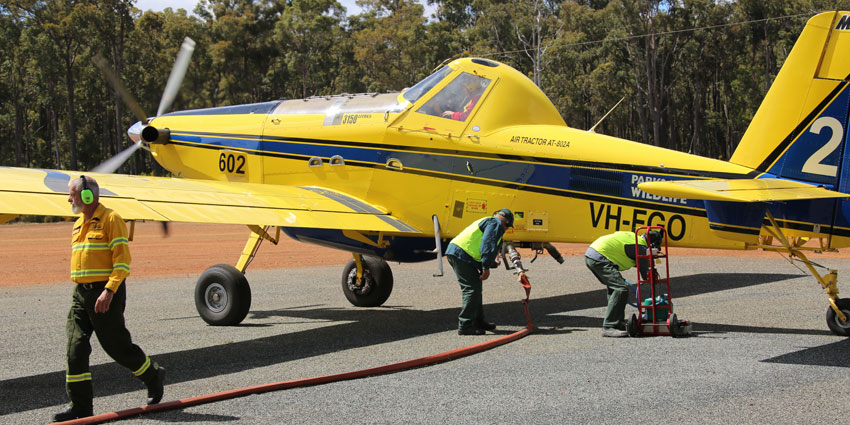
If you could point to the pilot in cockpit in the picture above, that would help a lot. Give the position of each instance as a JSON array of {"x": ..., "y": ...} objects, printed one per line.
[
  {"x": 473, "y": 87},
  {"x": 458, "y": 98}
]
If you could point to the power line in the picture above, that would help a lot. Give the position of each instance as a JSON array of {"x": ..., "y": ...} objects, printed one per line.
[{"x": 654, "y": 34}]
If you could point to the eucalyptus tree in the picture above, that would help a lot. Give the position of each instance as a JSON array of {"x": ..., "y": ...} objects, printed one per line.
[
  {"x": 12, "y": 80},
  {"x": 390, "y": 46},
  {"x": 307, "y": 32},
  {"x": 240, "y": 47},
  {"x": 67, "y": 24}
]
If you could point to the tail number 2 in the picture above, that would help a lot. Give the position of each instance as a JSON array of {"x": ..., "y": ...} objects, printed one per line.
[{"x": 813, "y": 165}]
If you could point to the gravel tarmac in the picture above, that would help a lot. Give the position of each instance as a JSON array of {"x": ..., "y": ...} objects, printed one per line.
[{"x": 760, "y": 351}]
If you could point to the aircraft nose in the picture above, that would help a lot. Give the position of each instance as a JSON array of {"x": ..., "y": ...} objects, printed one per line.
[{"x": 135, "y": 132}]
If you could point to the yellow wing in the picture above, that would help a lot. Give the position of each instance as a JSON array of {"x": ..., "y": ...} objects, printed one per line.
[
  {"x": 45, "y": 192},
  {"x": 742, "y": 190}
]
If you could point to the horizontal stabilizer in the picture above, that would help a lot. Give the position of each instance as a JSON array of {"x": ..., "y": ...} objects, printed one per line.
[{"x": 739, "y": 190}]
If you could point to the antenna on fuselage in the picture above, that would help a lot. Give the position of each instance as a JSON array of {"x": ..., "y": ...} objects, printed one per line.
[{"x": 593, "y": 129}]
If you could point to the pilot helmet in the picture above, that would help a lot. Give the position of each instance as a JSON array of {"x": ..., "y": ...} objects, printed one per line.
[{"x": 472, "y": 84}]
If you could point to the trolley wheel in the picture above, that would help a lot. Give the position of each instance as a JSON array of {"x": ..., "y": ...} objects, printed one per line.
[
  {"x": 673, "y": 325},
  {"x": 632, "y": 326},
  {"x": 835, "y": 324}
]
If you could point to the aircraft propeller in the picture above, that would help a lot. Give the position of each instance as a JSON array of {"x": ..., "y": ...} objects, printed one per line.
[{"x": 140, "y": 131}]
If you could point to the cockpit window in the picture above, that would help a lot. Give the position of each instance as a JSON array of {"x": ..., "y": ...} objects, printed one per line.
[
  {"x": 458, "y": 98},
  {"x": 414, "y": 93}
]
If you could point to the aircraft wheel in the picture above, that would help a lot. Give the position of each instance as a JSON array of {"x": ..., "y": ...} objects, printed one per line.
[
  {"x": 835, "y": 324},
  {"x": 222, "y": 295},
  {"x": 376, "y": 286},
  {"x": 632, "y": 326}
]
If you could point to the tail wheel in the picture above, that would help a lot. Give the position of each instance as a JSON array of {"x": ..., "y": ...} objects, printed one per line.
[
  {"x": 222, "y": 295},
  {"x": 375, "y": 286},
  {"x": 838, "y": 327}
]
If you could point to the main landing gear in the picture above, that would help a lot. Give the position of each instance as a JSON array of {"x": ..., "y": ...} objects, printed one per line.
[
  {"x": 838, "y": 312},
  {"x": 367, "y": 281},
  {"x": 223, "y": 296}
]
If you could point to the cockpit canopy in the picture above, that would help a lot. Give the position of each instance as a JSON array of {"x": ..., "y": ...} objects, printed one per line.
[{"x": 487, "y": 93}]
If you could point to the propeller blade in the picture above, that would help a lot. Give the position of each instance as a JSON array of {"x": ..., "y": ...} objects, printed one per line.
[
  {"x": 177, "y": 74},
  {"x": 112, "y": 164},
  {"x": 115, "y": 82}
]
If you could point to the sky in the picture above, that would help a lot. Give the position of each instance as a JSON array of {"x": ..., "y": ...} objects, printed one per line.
[{"x": 158, "y": 5}]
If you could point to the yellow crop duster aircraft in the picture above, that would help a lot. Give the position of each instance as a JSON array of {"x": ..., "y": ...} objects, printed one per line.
[{"x": 395, "y": 176}]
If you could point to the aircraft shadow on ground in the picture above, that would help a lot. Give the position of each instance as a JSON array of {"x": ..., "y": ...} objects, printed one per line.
[
  {"x": 359, "y": 328},
  {"x": 834, "y": 354}
]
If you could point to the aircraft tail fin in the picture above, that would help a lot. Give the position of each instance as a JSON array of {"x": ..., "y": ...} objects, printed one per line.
[{"x": 799, "y": 130}]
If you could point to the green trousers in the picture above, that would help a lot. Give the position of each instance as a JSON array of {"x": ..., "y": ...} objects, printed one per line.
[
  {"x": 112, "y": 335},
  {"x": 469, "y": 278},
  {"x": 618, "y": 290}
]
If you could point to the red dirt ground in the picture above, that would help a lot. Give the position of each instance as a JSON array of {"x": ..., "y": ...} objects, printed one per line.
[{"x": 33, "y": 254}]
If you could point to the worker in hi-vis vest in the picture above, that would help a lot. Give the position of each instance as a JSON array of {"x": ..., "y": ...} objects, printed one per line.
[
  {"x": 606, "y": 258},
  {"x": 472, "y": 254}
]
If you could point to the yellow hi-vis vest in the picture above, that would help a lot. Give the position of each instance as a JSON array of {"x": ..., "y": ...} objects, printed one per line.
[
  {"x": 611, "y": 247},
  {"x": 469, "y": 239}
]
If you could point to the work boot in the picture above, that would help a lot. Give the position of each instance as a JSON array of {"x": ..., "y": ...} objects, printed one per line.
[
  {"x": 470, "y": 331},
  {"x": 157, "y": 387},
  {"x": 487, "y": 326},
  {"x": 72, "y": 412},
  {"x": 614, "y": 333}
]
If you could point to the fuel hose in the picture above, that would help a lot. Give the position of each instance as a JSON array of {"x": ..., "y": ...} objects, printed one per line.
[{"x": 319, "y": 380}]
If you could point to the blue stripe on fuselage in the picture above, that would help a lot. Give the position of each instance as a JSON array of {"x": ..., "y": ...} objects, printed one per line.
[
  {"x": 223, "y": 142},
  {"x": 509, "y": 172}
]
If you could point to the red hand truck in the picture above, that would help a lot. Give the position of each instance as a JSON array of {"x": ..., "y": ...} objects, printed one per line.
[{"x": 655, "y": 314}]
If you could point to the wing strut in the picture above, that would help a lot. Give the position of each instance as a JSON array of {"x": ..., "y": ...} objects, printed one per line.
[{"x": 253, "y": 245}]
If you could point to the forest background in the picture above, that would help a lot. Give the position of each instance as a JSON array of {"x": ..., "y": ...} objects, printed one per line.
[{"x": 692, "y": 72}]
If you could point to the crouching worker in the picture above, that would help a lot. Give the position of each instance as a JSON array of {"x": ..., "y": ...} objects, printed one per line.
[
  {"x": 472, "y": 254},
  {"x": 606, "y": 258}
]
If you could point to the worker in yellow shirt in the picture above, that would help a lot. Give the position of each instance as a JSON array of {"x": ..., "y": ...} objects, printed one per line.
[{"x": 100, "y": 261}]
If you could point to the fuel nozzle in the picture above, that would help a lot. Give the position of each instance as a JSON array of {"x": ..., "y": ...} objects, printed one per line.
[{"x": 514, "y": 258}]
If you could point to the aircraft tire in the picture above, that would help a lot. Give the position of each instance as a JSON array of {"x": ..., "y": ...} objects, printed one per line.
[
  {"x": 835, "y": 325},
  {"x": 378, "y": 283},
  {"x": 222, "y": 295}
]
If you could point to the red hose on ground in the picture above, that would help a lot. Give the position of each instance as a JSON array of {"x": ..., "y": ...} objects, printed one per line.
[{"x": 395, "y": 367}]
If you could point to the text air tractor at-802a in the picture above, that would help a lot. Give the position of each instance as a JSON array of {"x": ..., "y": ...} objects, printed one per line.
[{"x": 381, "y": 175}]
